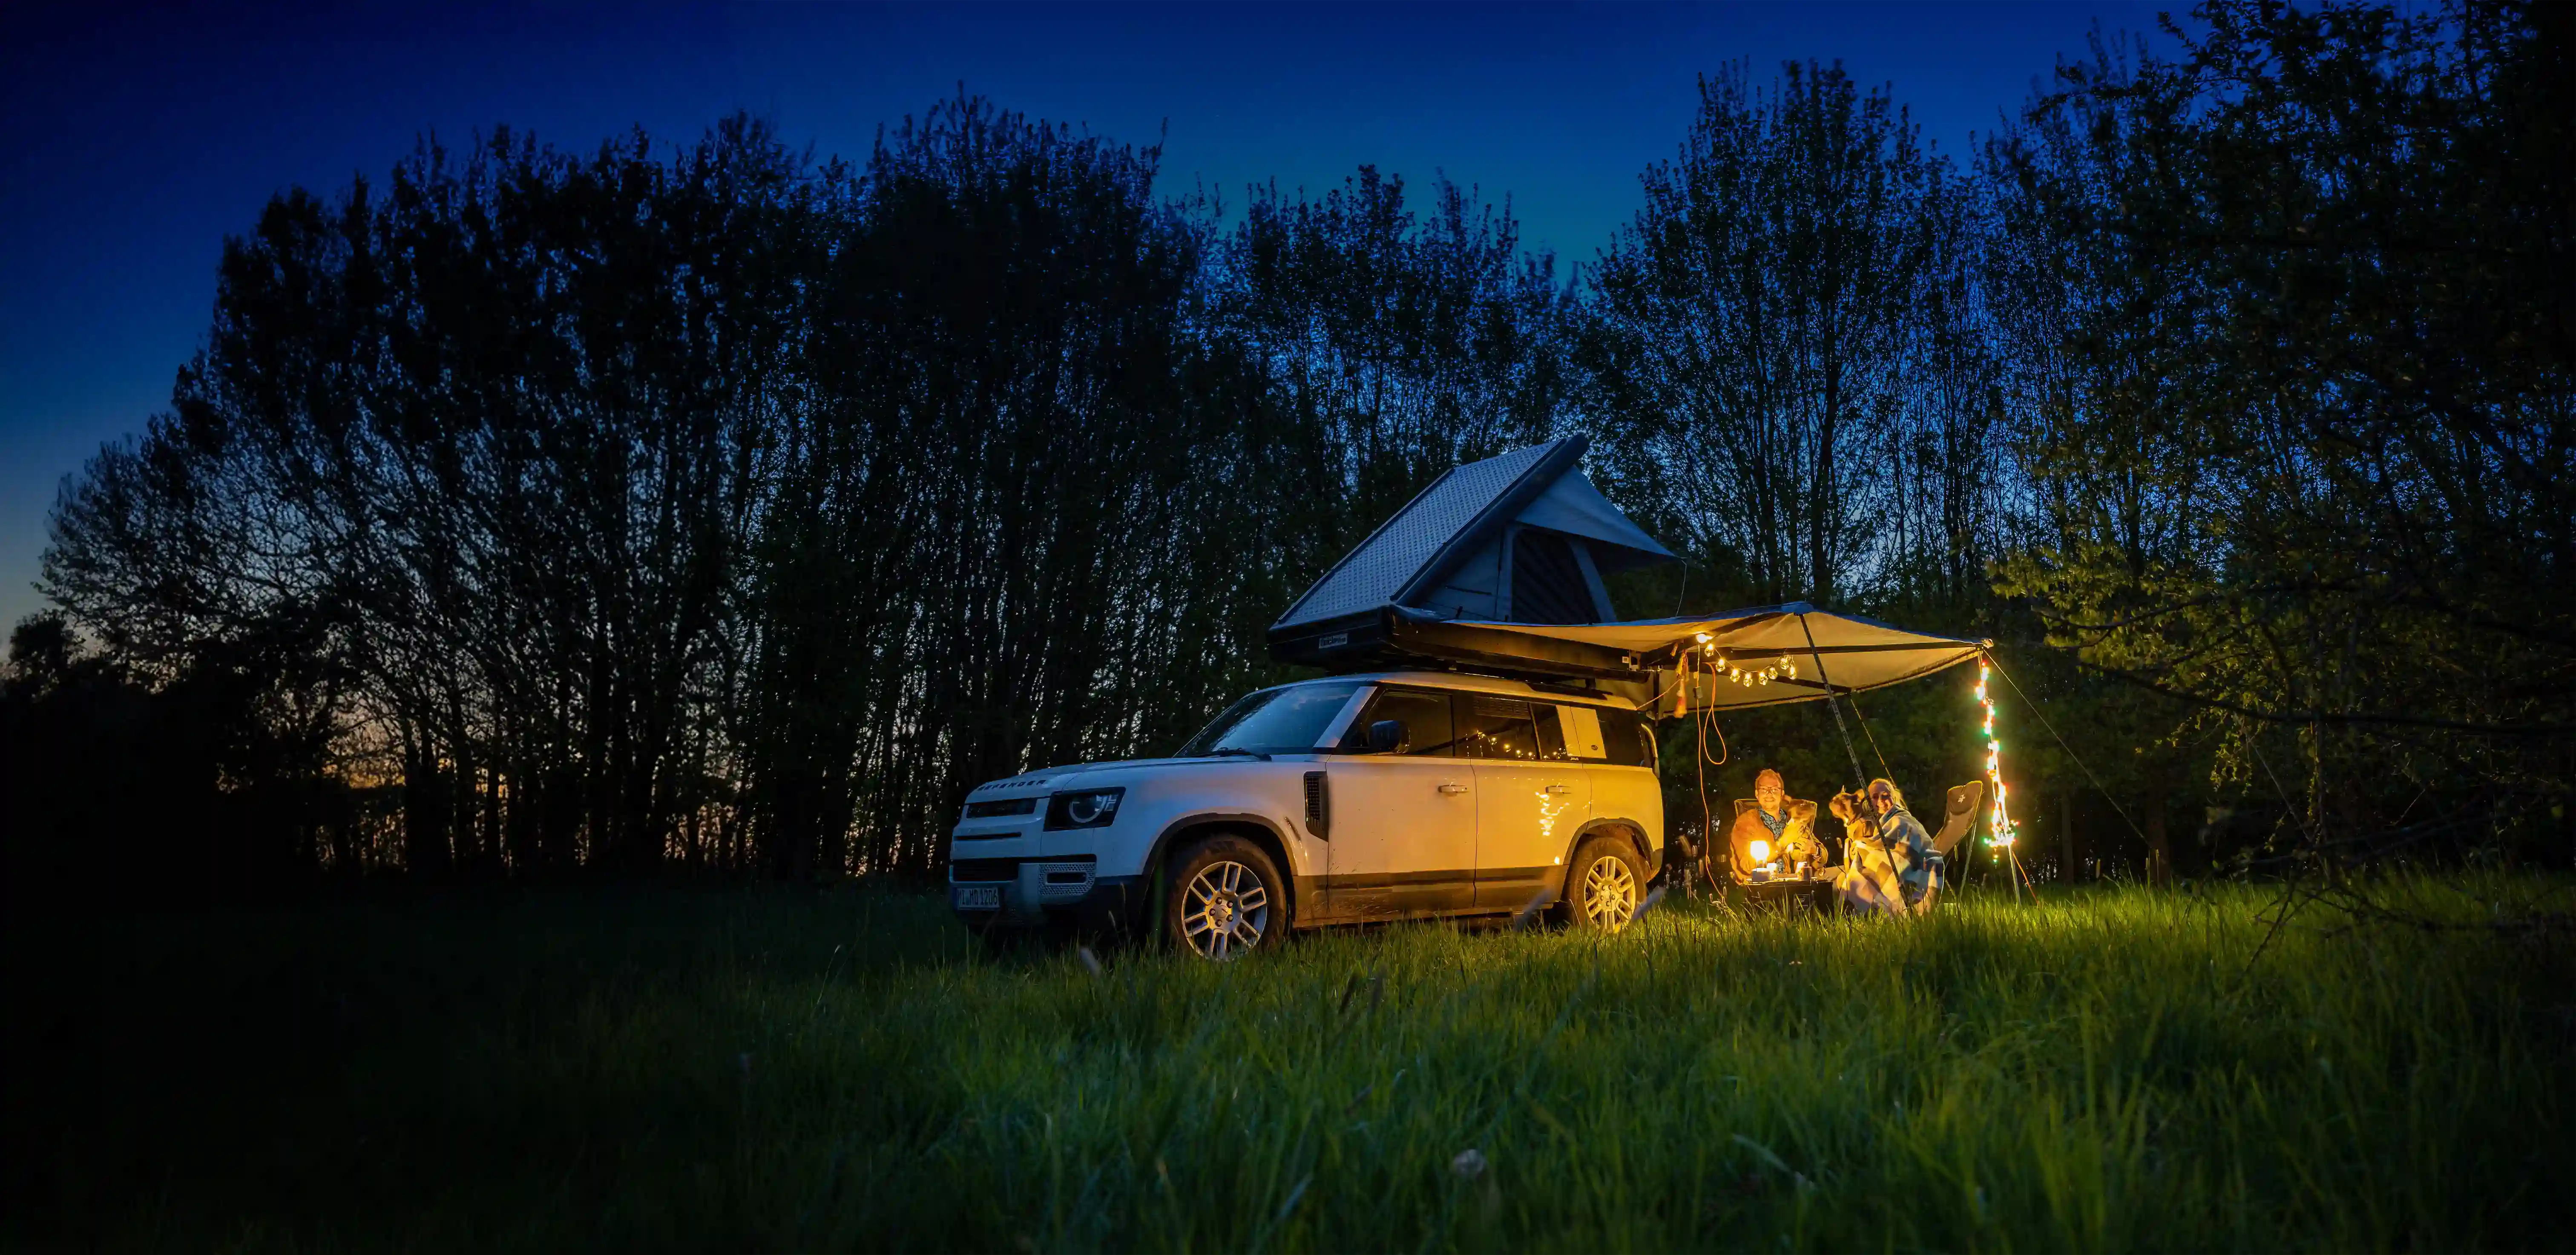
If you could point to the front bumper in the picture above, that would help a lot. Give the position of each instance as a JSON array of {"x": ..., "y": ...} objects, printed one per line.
[{"x": 1043, "y": 892}]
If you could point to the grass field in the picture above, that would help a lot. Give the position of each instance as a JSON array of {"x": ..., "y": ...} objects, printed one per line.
[{"x": 784, "y": 1069}]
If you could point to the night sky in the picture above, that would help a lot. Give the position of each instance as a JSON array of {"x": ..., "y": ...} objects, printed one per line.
[{"x": 135, "y": 143}]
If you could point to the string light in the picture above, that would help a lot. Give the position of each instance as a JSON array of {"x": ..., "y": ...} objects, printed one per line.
[
  {"x": 2002, "y": 818},
  {"x": 1748, "y": 677},
  {"x": 1719, "y": 666}
]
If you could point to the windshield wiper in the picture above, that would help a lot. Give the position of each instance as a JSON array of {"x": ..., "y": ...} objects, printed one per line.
[{"x": 1229, "y": 749}]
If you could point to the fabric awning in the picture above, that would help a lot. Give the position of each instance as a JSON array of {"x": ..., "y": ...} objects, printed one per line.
[{"x": 1807, "y": 648}]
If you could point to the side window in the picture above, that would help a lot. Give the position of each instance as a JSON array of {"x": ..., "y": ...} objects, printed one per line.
[
  {"x": 1551, "y": 731},
  {"x": 1582, "y": 733},
  {"x": 1625, "y": 740},
  {"x": 1428, "y": 731},
  {"x": 1497, "y": 727}
]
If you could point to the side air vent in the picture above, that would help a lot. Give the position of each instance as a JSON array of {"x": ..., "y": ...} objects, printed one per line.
[{"x": 1319, "y": 806}]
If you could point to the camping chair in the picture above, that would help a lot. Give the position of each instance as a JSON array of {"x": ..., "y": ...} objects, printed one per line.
[
  {"x": 1763, "y": 887},
  {"x": 1958, "y": 815}
]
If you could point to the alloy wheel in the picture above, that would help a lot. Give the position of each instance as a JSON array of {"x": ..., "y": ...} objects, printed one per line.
[
  {"x": 1609, "y": 893},
  {"x": 1225, "y": 910}
]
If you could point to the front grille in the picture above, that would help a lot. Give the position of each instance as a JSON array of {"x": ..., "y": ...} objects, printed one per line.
[
  {"x": 1007, "y": 806},
  {"x": 1064, "y": 880},
  {"x": 1070, "y": 870}
]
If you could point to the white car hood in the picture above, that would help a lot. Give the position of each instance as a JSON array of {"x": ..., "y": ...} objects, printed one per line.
[{"x": 1045, "y": 778}]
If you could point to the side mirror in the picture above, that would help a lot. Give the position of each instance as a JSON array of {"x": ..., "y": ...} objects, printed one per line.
[{"x": 1386, "y": 736}]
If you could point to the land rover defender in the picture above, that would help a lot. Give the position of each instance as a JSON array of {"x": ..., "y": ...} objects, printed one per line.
[{"x": 1386, "y": 796}]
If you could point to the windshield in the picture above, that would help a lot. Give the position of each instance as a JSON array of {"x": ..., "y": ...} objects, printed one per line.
[{"x": 1273, "y": 721}]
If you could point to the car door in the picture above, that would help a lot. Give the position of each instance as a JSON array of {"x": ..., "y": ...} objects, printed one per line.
[
  {"x": 1532, "y": 797},
  {"x": 1617, "y": 755},
  {"x": 1404, "y": 823}
]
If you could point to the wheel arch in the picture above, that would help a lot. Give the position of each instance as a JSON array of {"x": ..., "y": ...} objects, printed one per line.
[
  {"x": 1258, "y": 829},
  {"x": 1616, "y": 828}
]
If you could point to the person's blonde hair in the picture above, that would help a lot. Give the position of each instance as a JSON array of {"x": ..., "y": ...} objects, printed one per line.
[{"x": 1892, "y": 791}]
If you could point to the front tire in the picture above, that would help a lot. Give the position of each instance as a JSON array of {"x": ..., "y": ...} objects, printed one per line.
[
  {"x": 1224, "y": 899},
  {"x": 1604, "y": 886}
]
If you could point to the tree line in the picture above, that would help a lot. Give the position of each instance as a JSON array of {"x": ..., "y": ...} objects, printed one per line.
[{"x": 534, "y": 512}]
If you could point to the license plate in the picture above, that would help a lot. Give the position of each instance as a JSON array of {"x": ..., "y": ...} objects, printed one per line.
[{"x": 976, "y": 897}]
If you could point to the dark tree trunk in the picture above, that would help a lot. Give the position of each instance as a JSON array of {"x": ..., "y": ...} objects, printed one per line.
[
  {"x": 2074, "y": 867},
  {"x": 2159, "y": 850}
]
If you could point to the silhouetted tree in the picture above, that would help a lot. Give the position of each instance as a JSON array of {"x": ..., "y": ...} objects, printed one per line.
[
  {"x": 2291, "y": 313},
  {"x": 1757, "y": 328}
]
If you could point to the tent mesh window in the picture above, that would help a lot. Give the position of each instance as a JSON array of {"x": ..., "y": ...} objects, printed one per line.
[{"x": 1547, "y": 585}]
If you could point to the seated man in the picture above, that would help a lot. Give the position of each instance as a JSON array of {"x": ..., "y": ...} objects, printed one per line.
[
  {"x": 1784, "y": 826},
  {"x": 1888, "y": 861}
]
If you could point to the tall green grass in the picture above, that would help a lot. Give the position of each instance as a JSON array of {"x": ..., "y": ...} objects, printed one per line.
[{"x": 767, "y": 1069}]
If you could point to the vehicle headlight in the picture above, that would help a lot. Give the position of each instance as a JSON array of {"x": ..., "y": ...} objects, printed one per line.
[{"x": 1090, "y": 808}]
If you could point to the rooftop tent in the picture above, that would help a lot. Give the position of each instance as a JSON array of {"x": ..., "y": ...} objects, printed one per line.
[
  {"x": 1522, "y": 538},
  {"x": 1497, "y": 566}
]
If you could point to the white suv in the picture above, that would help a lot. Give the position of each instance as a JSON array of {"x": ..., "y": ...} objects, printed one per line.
[{"x": 1401, "y": 795}]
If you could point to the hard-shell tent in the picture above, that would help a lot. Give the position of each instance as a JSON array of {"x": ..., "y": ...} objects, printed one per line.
[
  {"x": 1497, "y": 567},
  {"x": 1520, "y": 538}
]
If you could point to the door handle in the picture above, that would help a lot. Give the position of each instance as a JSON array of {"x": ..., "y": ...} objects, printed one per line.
[
  {"x": 1556, "y": 788},
  {"x": 1452, "y": 787}
]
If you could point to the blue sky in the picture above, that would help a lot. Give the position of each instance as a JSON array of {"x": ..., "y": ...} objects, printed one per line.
[{"x": 131, "y": 144}]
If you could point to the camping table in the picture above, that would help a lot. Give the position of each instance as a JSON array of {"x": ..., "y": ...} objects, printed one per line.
[{"x": 1812, "y": 893}]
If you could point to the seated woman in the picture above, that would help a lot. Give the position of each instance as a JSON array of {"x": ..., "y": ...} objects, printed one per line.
[
  {"x": 1888, "y": 856},
  {"x": 1784, "y": 826}
]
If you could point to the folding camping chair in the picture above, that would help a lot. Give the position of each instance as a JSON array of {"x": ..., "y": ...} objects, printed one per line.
[{"x": 1958, "y": 815}]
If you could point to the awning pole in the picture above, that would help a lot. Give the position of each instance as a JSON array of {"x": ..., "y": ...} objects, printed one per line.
[{"x": 1858, "y": 776}]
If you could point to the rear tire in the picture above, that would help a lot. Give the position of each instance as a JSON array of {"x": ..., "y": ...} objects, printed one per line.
[
  {"x": 1223, "y": 898},
  {"x": 1605, "y": 885}
]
